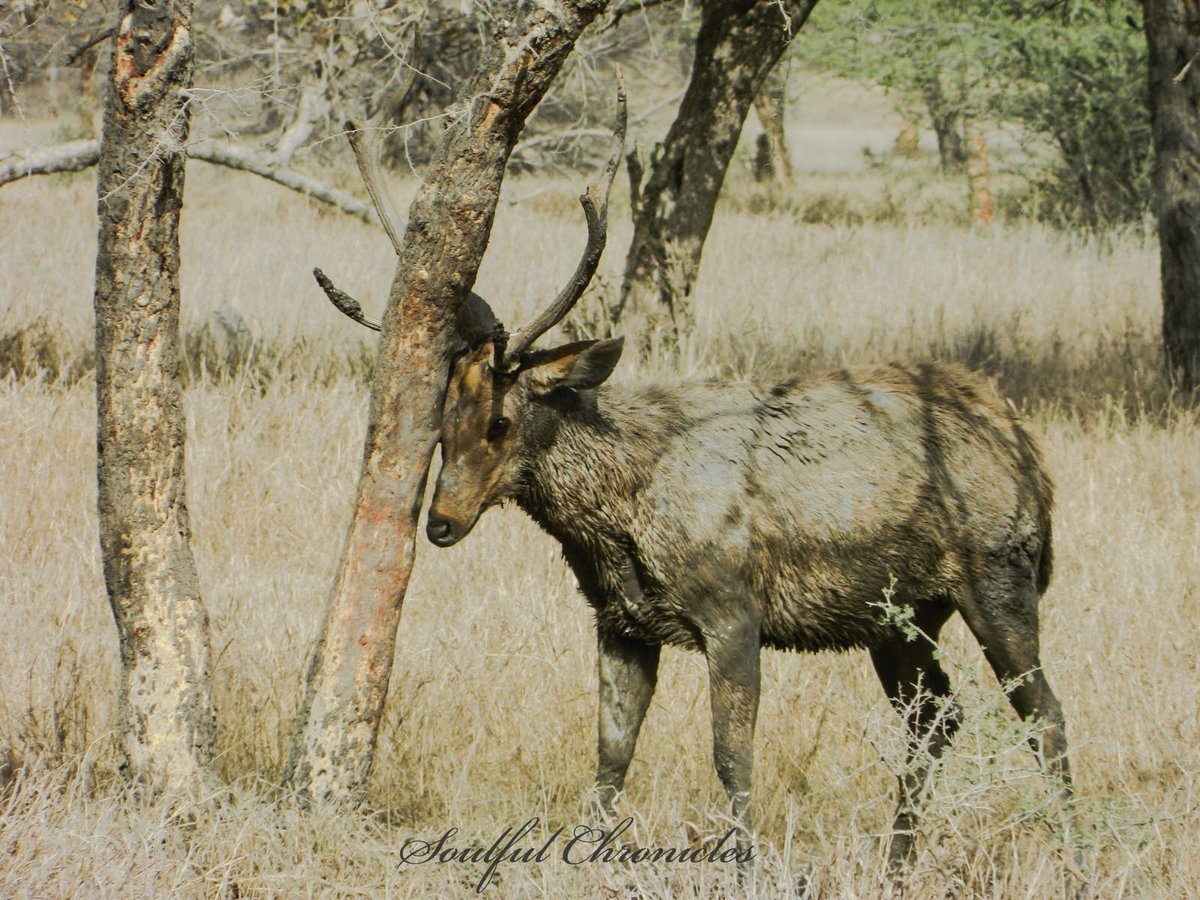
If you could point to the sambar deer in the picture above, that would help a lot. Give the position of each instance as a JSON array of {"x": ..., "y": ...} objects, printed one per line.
[{"x": 728, "y": 517}]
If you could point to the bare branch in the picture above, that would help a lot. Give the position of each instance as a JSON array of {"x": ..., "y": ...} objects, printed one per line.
[
  {"x": 311, "y": 106},
  {"x": 631, "y": 6},
  {"x": 88, "y": 45},
  {"x": 346, "y": 304},
  {"x": 595, "y": 207},
  {"x": 366, "y": 141},
  {"x": 78, "y": 155},
  {"x": 576, "y": 133},
  {"x": 268, "y": 166},
  {"x": 570, "y": 134},
  {"x": 69, "y": 157}
]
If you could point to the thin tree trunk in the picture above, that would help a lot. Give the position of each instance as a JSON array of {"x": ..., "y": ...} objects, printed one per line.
[
  {"x": 448, "y": 227},
  {"x": 952, "y": 151},
  {"x": 738, "y": 43},
  {"x": 167, "y": 723},
  {"x": 948, "y": 126},
  {"x": 979, "y": 173},
  {"x": 773, "y": 161},
  {"x": 1173, "y": 36}
]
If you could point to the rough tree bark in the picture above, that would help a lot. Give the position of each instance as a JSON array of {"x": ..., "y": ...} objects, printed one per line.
[
  {"x": 1173, "y": 36},
  {"x": 447, "y": 232},
  {"x": 738, "y": 43},
  {"x": 167, "y": 723}
]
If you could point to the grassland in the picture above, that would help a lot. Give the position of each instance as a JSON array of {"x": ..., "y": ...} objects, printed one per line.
[{"x": 490, "y": 718}]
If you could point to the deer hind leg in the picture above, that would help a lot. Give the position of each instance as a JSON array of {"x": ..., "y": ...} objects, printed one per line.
[
  {"x": 628, "y": 672},
  {"x": 1002, "y": 613},
  {"x": 920, "y": 691}
]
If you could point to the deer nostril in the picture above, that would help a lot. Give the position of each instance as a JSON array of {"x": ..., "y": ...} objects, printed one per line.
[{"x": 437, "y": 529}]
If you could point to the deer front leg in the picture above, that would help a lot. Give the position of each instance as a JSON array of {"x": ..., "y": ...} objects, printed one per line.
[
  {"x": 628, "y": 672},
  {"x": 733, "y": 678}
]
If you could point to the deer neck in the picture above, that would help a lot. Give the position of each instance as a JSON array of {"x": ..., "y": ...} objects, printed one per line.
[{"x": 583, "y": 479}]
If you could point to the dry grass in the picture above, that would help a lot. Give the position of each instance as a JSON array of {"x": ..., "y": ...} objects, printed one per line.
[{"x": 490, "y": 720}]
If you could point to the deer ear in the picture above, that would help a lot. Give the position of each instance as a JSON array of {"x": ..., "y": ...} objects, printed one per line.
[{"x": 582, "y": 365}]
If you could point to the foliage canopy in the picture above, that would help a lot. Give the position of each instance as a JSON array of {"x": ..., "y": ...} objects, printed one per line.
[{"x": 1070, "y": 73}]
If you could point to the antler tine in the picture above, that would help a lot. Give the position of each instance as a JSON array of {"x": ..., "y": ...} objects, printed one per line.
[
  {"x": 346, "y": 304},
  {"x": 367, "y": 142},
  {"x": 595, "y": 206}
]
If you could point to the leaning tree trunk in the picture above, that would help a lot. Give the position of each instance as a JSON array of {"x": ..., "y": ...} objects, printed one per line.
[
  {"x": 165, "y": 707},
  {"x": 1173, "y": 36},
  {"x": 738, "y": 43},
  {"x": 448, "y": 227}
]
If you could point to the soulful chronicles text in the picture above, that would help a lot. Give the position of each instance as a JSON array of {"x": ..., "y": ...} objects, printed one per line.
[{"x": 582, "y": 845}]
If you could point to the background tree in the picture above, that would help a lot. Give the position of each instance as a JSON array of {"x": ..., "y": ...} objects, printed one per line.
[
  {"x": 773, "y": 159},
  {"x": 1173, "y": 35},
  {"x": 738, "y": 43},
  {"x": 1070, "y": 75},
  {"x": 165, "y": 707},
  {"x": 1073, "y": 77}
]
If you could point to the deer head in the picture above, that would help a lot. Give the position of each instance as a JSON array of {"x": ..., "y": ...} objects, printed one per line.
[
  {"x": 495, "y": 423},
  {"x": 501, "y": 394}
]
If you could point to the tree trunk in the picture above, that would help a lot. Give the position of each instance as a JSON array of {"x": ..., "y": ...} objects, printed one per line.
[
  {"x": 1173, "y": 36},
  {"x": 448, "y": 228},
  {"x": 979, "y": 173},
  {"x": 167, "y": 723},
  {"x": 952, "y": 151},
  {"x": 773, "y": 161},
  {"x": 738, "y": 44},
  {"x": 948, "y": 126}
]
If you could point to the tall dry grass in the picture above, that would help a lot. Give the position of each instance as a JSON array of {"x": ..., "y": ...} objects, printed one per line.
[{"x": 490, "y": 717}]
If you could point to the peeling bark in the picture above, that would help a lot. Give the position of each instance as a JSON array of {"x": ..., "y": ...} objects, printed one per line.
[
  {"x": 448, "y": 228},
  {"x": 167, "y": 722},
  {"x": 738, "y": 43},
  {"x": 1173, "y": 36}
]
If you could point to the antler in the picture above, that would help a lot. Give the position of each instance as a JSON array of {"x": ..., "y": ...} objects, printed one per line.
[
  {"x": 595, "y": 206},
  {"x": 346, "y": 304},
  {"x": 367, "y": 141}
]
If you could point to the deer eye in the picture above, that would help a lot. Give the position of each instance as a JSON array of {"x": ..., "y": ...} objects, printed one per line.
[{"x": 498, "y": 428}]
